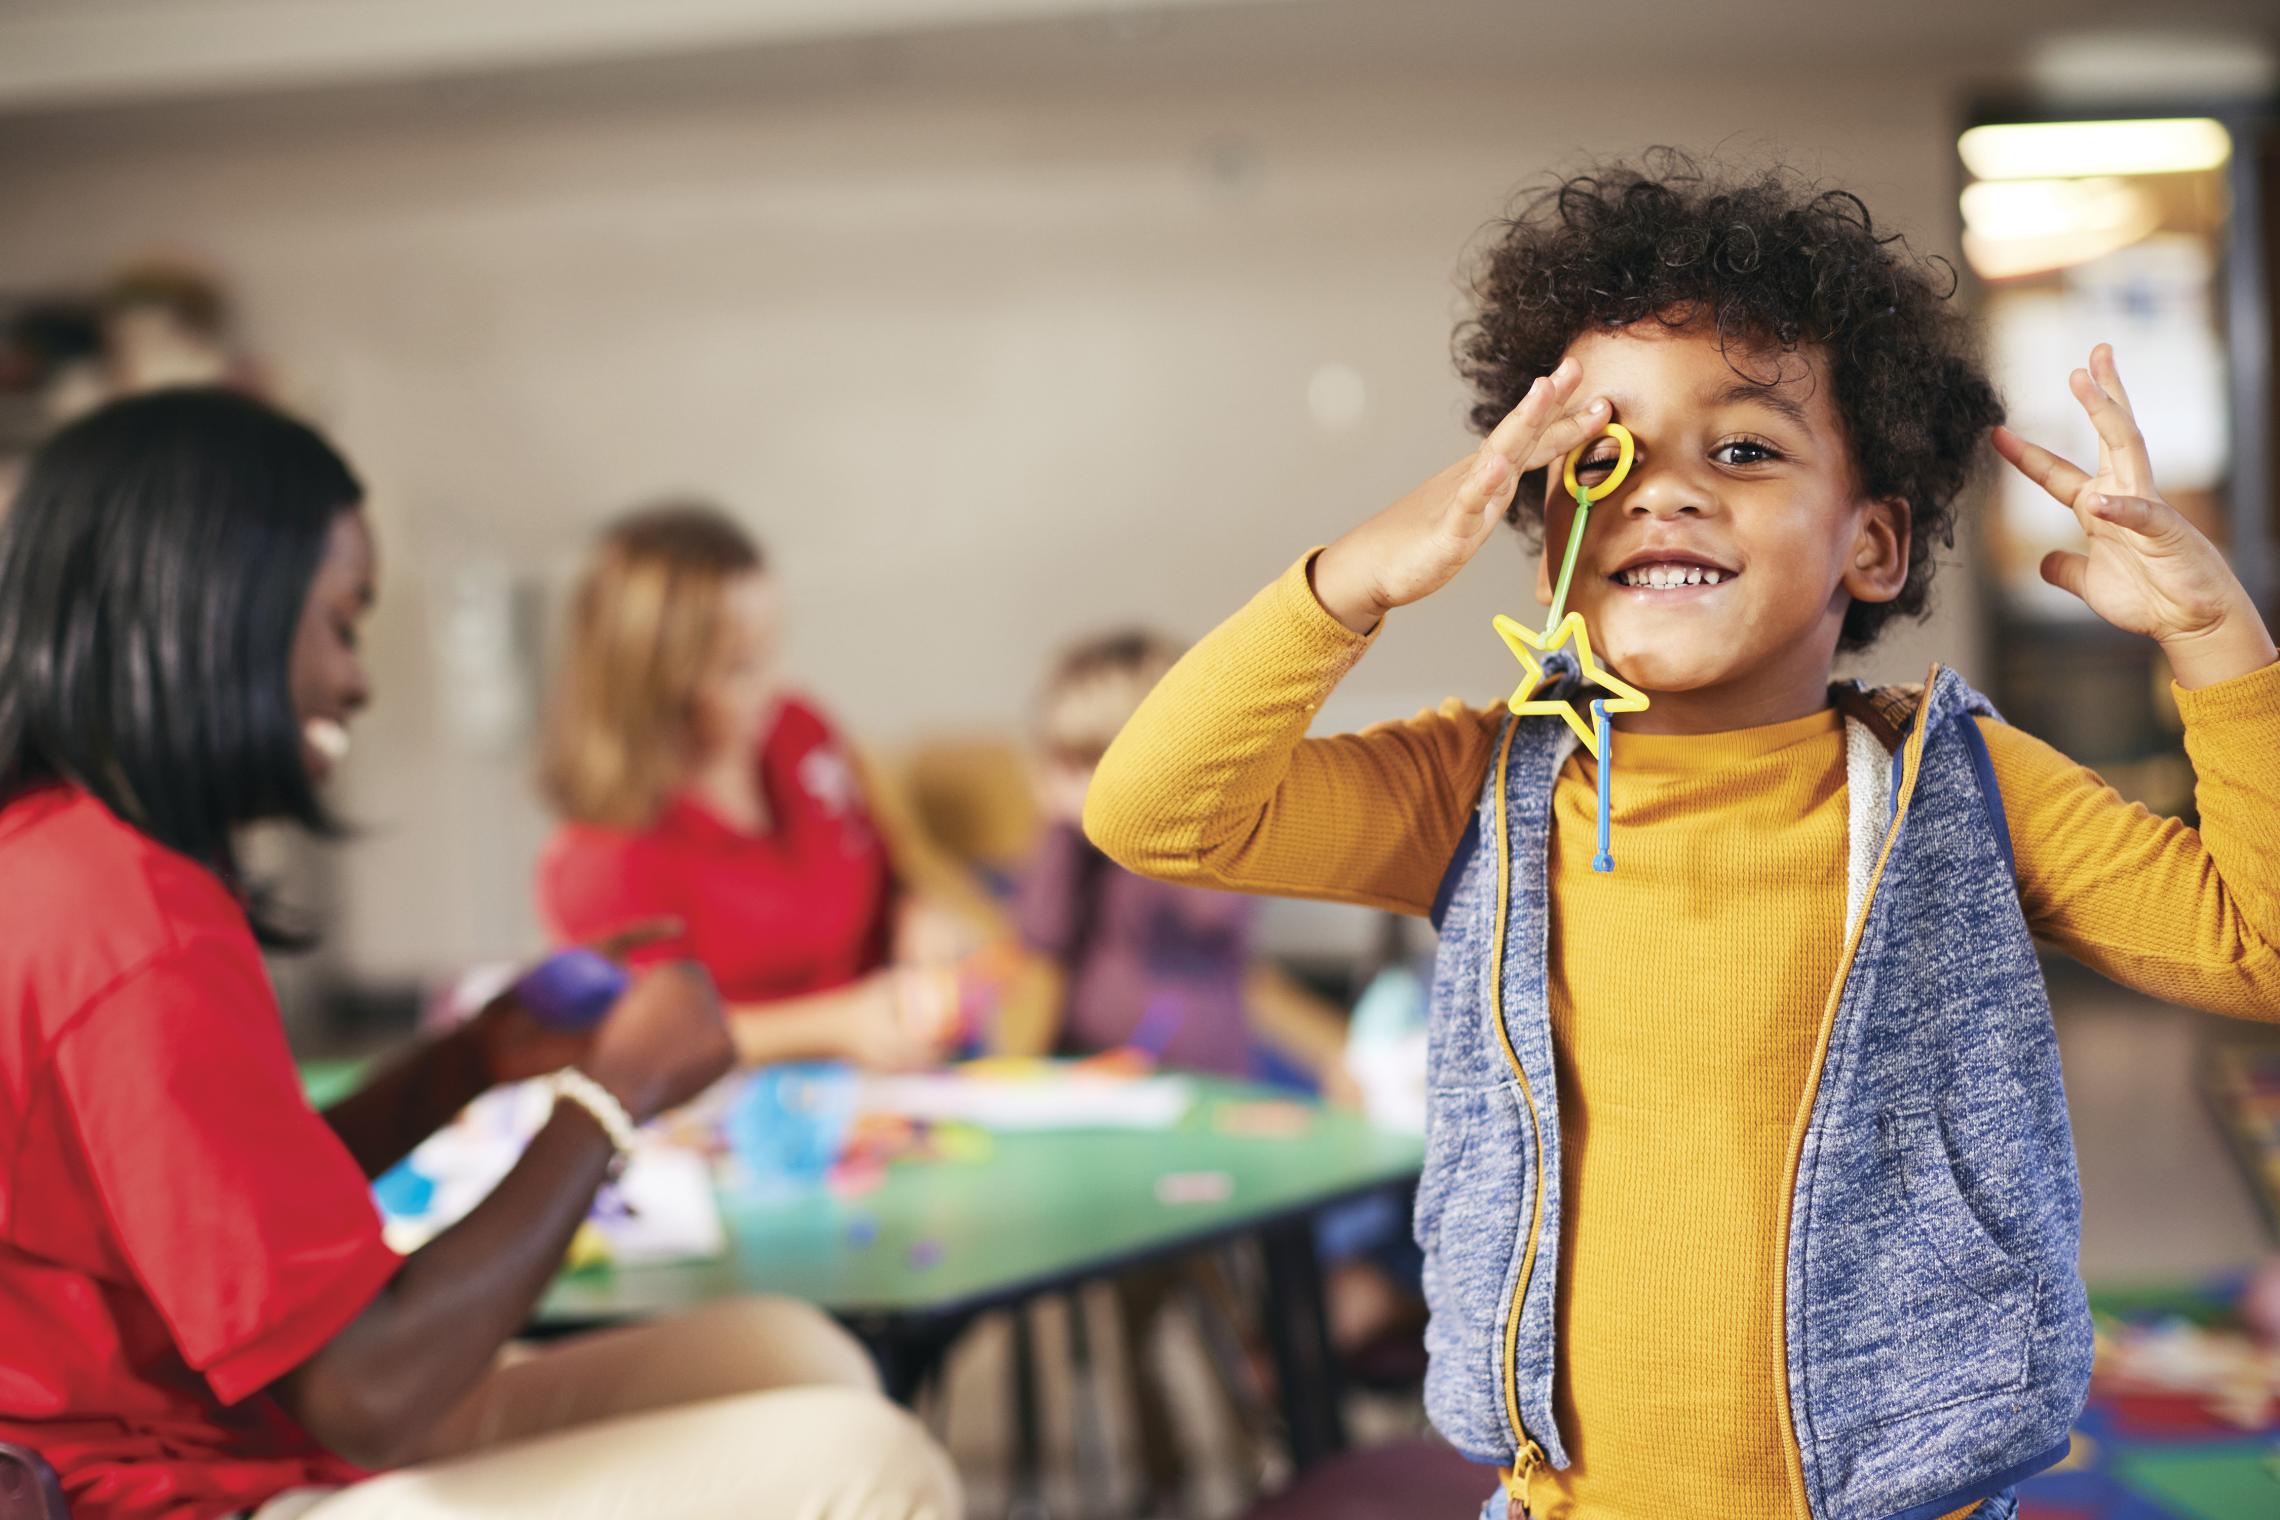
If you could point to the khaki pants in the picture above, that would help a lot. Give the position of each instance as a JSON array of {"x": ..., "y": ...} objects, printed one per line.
[{"x": 757, "y": 1408}]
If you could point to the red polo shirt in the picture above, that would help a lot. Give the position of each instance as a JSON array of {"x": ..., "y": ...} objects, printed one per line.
[
  {"x": 177, "y": 1228},
  {"x": 803, "y": 908}
]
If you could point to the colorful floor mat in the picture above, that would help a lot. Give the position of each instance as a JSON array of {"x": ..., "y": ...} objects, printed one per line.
[{"x": 2184, "y": 1418}]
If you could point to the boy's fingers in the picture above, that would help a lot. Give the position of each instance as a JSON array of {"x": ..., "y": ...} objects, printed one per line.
[
  {"x": 1545, "y": 397},
  {"x": 2062, "y": 480},
  {"x": 2117, "y": 430},
  {"x": 2109, "y": 375},
  {"x": 2150, "y": 519},
  {"x": 1577, "y": 427},
  {"x": 2066, "y": 569},
  {"x": 1524, "y": 418}
]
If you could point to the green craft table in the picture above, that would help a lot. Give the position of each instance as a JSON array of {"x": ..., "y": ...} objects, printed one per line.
[{"x": 910, "y": 1264}]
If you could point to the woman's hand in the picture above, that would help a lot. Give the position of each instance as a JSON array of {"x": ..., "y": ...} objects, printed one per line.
[
  {"x": 664, "y": 1042},
  {"x": 903, "y": 1019},
  {"x": 514, "y": 1045},
  {"x": 418, "y": 1090},
  {"x": 928, "y": 932},
  {"x": 1416, "y": 546},
  {"x": 2145, "y": 569}
]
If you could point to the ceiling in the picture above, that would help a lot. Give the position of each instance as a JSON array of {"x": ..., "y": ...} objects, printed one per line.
[{"x": 65, "y": 58}]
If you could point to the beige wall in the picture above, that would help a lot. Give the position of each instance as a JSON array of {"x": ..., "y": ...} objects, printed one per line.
[{"x": 985, "y": 365}]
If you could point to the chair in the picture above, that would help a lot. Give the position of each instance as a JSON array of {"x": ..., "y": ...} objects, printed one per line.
[
  {"x": 972, "y": 798},
  {"x": 28, "y": 1489},
  {"x": 1420, "y": 1479}
]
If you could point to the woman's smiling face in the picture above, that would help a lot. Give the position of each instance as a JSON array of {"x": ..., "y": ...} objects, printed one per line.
[{"x": 1716, "y": 576}]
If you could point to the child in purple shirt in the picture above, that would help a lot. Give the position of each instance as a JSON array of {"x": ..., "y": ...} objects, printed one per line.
[{"x": 1172, "y": 971}]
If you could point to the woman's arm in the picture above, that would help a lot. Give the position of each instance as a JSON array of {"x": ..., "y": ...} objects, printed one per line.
[
  {"x": 809, "y": 1028},
  {"x": 374, "y": 1390},
  {"x": 413, "y": 1096},
  {"x": 1214, "y": 783},
  {"x": 891, "y": 1020}
]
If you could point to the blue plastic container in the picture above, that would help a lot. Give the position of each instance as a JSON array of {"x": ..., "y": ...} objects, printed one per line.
[{"x": 572, "y": 989}]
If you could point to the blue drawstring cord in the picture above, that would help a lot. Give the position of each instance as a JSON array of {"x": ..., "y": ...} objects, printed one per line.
[{"x": 1604, "y": 861}]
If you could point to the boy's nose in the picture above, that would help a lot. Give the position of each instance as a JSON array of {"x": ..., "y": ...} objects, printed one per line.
[{"x": 1660, "y": 493}]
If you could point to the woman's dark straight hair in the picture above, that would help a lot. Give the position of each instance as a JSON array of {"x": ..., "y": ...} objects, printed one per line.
[{"x": 153, "y": 571}]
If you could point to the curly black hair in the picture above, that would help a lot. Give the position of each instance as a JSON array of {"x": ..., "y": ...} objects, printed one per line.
[{"x": 1769, "y": 262}]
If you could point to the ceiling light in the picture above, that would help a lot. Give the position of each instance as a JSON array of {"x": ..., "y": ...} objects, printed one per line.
[
  {"x": 2072, "y": 149},
  {"x": 2032, "y": 226}
]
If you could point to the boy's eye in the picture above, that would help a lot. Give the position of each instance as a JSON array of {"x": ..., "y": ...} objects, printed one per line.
[
  {"x": 1597, "y": 467},
  {"x": 1744, "y": 451}
]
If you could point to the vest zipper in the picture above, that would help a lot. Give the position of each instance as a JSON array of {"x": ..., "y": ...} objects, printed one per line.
[
  {"x": 1528, "y": 1454},
  {"x": 1913, "y": 752}
]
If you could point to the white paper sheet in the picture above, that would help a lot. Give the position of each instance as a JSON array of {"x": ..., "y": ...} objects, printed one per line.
[{"x": 1064, "y": 1101}]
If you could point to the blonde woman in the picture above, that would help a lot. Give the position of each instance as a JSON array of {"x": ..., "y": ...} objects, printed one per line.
[{"x": 693, "y": 786}]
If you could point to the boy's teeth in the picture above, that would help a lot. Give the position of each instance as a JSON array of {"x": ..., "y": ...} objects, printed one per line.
[{"x": 1666, "y": 576}]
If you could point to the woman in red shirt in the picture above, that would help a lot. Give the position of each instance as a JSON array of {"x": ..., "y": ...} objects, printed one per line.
[
  {"x": 692, "y": 786},
  {"x": 198, "y": 1314}
]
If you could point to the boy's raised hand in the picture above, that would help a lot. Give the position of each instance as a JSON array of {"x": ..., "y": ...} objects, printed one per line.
[
  {"x": 2145, "y": 568},
  {"x": 1414, "y": 547}
]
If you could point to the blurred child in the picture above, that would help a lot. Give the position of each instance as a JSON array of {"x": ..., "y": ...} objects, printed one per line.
[
  {"x": 1170, "y": 970},
  {"x": 1749, "y": 1188}
]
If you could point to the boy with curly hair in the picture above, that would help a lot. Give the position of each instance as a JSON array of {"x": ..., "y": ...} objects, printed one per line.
[{"x": 1748, "y": 1189}]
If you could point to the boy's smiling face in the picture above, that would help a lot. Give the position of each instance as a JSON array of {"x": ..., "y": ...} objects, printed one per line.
[{"x": 1716, "y": 577}]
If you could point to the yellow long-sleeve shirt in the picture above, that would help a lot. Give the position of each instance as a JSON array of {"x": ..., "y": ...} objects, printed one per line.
[{"x": 1680, "y": 1068}]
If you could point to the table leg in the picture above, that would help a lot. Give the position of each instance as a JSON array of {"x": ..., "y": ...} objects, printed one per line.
[
  {"x": 902, "y": 1366},
  {"x": 1298, "y": 1325},
  {"x": 909, "y": 1355},
  {"x": 1025, "y": 1487},
  {"x": 1092, "y": 1435}
]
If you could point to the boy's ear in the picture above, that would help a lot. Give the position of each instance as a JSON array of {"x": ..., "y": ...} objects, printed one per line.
[{"x": 1876, "y": 564}]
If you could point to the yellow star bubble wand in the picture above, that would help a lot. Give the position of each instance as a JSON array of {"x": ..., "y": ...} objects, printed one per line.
[{"x": 1526, "y": 645}]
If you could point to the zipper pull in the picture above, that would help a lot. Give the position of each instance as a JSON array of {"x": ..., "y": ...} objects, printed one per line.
[{"x": 1516, "y": 1477}]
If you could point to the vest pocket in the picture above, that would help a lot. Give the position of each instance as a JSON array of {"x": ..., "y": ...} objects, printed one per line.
[
  {"x": 1448, "y": 1121},
  {"x": 1472, "y": 1221},
  {"x": 1961, "y": 1309},
  {"x": 1943, "y": 1220}
]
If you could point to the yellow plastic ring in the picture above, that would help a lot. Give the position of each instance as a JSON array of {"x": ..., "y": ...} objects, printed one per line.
[{"x": 1606, "y": 488}]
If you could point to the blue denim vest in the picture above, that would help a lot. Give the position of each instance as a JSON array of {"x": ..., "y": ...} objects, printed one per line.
[{"x": 1937, "y": 1332}]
